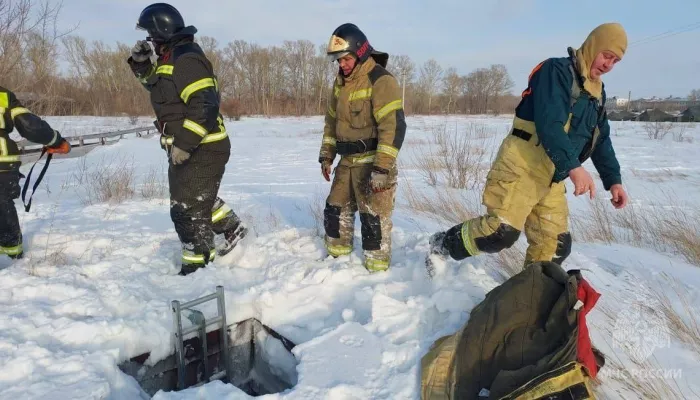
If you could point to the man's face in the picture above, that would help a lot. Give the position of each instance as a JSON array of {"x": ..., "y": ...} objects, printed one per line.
[
  {"x": 347, "y": 63},
  {"x": 603, "y": 63}
]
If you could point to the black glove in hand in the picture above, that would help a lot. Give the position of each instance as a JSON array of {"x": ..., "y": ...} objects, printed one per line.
[{"x": 141, "y": 51}]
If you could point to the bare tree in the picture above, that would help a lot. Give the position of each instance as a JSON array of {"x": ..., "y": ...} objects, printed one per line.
[
  {"x": 430, "y": 74},
  {"x": 451, "y": 83}
]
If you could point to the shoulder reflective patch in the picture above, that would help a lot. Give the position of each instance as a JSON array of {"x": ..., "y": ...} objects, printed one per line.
[
  {"x": 392, "y": 106},
  {"x": 195, "y": 86},
  {"x": 4, "y": 100},
  {"x": 165, "y": 70}
]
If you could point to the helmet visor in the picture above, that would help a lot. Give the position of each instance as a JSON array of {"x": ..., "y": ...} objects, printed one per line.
[{"x": 335, "y": 56}]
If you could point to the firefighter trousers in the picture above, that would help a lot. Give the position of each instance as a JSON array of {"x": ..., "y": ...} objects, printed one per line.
[
  {"x": 519, "y": 196},
  {"x": 351, "y": 192},
  {"x": 10, "y": 231},
  {"x": 195, "y": 208}
]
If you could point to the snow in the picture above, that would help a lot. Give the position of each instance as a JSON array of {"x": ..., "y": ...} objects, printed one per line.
[{"x": 98, "y": 277}]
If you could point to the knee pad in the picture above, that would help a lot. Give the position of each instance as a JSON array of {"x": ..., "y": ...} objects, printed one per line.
[
  {"x": 371, "y": 231},
  {"x": 504, "y": 237},
  {"x": 563, "y": 248},
  {"x": 331, "y": 221}
]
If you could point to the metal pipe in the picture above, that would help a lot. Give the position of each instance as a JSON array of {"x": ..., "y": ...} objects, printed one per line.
[
  {"x": 221, "y": 305},
  {"x": 179, "y": 345}
]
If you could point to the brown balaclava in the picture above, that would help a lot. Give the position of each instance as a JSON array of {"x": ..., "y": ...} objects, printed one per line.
[{"x": 609, "y": 36}]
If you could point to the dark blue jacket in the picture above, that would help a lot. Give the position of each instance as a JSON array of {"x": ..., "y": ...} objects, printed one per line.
[{"x": 547, "y": 102}]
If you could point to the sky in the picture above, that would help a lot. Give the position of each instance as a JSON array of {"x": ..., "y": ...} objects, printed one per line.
[{"x": 464, "y": 34}]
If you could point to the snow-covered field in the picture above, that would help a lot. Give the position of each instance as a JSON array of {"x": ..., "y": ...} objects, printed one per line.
[{"x": 95, "y": 286}]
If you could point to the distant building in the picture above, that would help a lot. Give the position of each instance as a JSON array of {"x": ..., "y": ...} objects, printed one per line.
[
  {"x": 691, "y": 114},
  {"x": 656, "y": 115},
  {"x": 621, "y": 102}
]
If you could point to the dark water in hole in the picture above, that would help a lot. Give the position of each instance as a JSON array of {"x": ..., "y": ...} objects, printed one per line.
[{"x": 261, "y": 362}]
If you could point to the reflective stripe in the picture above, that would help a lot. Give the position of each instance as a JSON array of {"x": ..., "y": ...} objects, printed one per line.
[
  {"x": 188, "y": 257},
  {"x": 166, "y": 140},
  {"x": 389, "y": 150},
  {"x": 3, "y": 147},
  {"x": 193, "y": 87},
  {"x": 366, "y": 159},
  {"x": 375, "y": 265},
  {"x": 329, "y": 140},
  {"x": 336, "y": 91},
  {"x": 214, "y": 137},
  {"x": 53, "y": 140},
  {"x": 18, "y": 111},
  {"x": 360, "y": 94},
  {"x": 220, "y": 213},
  {"x": 331, "y": 112},
  {"x": 393, "y": 106},
  {"x": 165, "y": 70},
  {"x": 11, "y": 250},
  {"x": 467, "y": 239},
  {"x": 4, "y": 100},
  {"x": 2, "y": 117},
  {"x": 336, "y": 251},
  {"x": 194, "y": 127},
  {"x": 9, "y": 158}
]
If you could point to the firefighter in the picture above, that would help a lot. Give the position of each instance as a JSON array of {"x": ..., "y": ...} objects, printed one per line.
[
  {"x": 559, "y": 123},
  {"x": 185, "y": 98},
  {"x": 36, "y": 130},
  {"x": 365, "y": 125}
]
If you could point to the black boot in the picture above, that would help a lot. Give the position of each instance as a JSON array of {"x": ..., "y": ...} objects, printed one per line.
[
  {"x": 16, "y": 256},
  {"x": 232, "y": 237},
  {"x": 187, "y": 269}
]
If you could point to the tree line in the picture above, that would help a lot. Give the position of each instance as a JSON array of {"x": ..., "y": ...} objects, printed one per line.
[{"x": 64, "y": 73}]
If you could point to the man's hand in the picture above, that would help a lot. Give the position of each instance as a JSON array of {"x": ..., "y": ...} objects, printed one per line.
[
  {"x": 379, "y": 181},
  {"x": 179, "y": 156},
  {"x": 619, "y": 196},
  {"x": 141, "y": 51},
  {"x": 60, "y": 147},
  {"x": 583, "y": 182},
  {"x": 326, "y": 165}
]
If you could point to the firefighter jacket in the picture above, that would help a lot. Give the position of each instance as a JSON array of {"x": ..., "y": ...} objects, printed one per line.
[
  {"x": 571, "y": 124},
  {"x": 185, "y": 98},
  {"x": 365, "y": 122},
  {"x": 31, "y": 127}
]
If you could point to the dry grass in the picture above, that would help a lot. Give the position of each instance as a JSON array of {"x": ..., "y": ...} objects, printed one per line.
[
  {"x": 315, "y": 206},
  {"x": 682, "y": 318},
  {"x": 155, "y": 184},
  {"x": 680, "y": 133},
  {"x": 658, "y": 175},
  {"x": 657, "y": 130},
  {"x": 646, "y": 377},
  {"x": 107, "y": 181},
  {"x": 447, "y": 205},
  {"x": 667, "y": 227},
  {"x": 457, "y": 159}
]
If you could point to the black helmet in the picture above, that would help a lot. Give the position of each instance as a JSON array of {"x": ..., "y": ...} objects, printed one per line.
[
  {"x": 348, "y": 38},
  {"x": 162, "y": 22}
]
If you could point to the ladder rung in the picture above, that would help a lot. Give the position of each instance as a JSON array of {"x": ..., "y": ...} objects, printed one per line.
[{"x": 195, "y": 328}]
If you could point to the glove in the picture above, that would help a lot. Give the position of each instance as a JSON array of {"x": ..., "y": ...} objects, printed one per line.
[
  {"x": 179, "y": 156},
  {"x": 326, "y": 168},
  {"x": 60, "y": 147},
  {"x": 379, "y": 181},
  {"x": 141, "y": 51}
]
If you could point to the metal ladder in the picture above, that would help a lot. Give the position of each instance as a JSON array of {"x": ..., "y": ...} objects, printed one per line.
[{"x": 199, "y": 325}]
